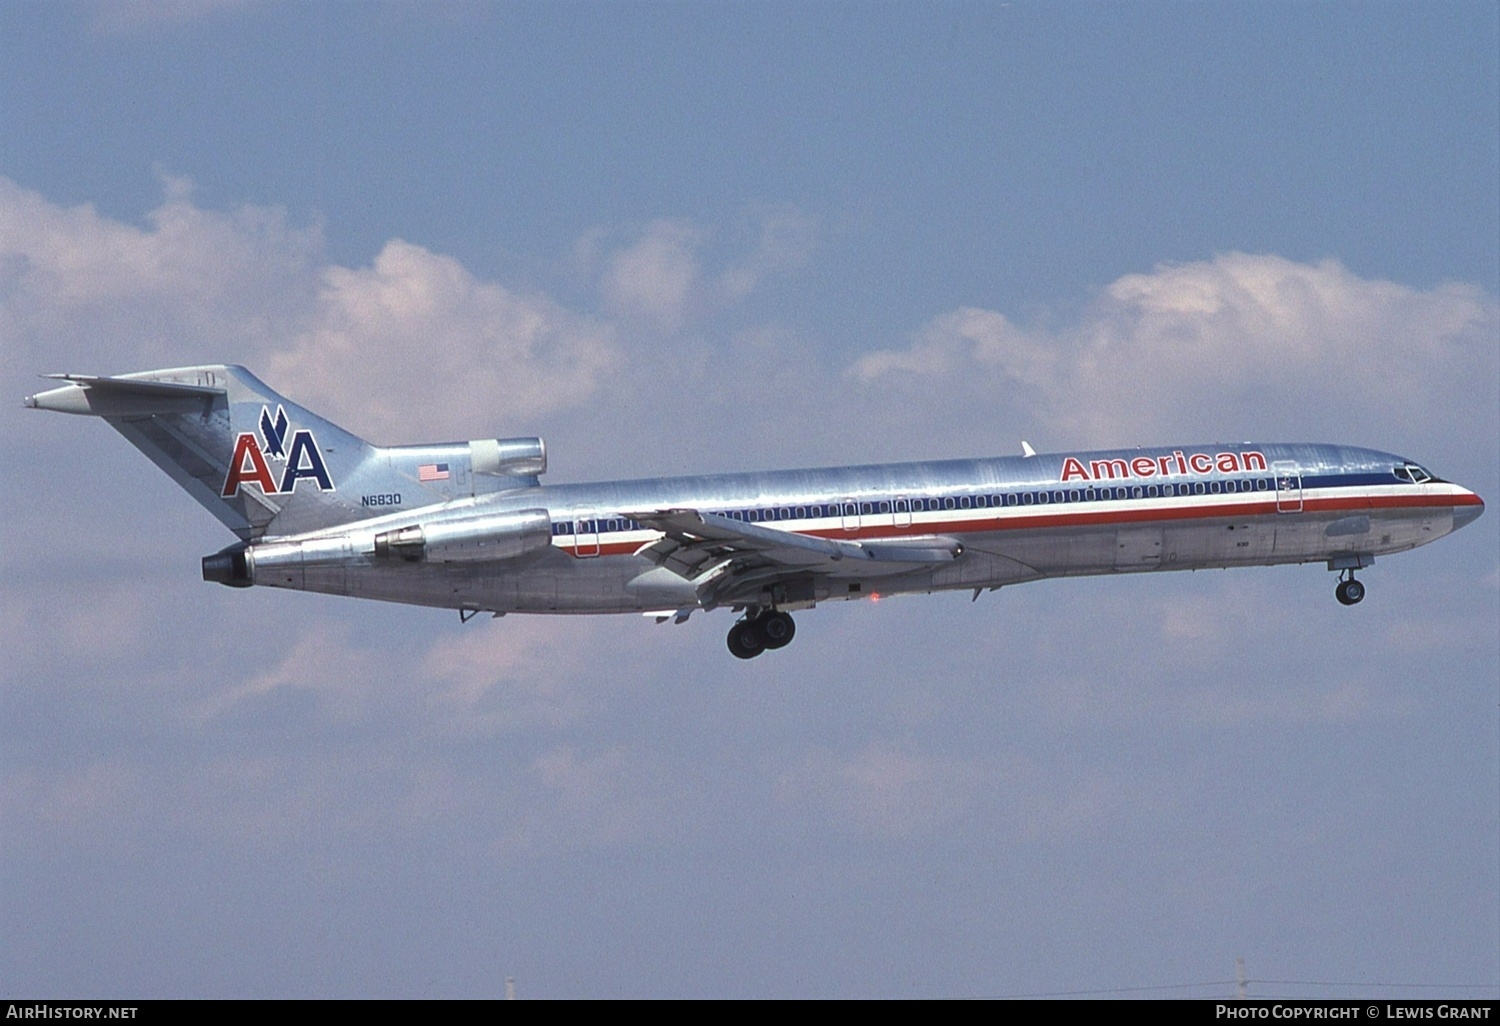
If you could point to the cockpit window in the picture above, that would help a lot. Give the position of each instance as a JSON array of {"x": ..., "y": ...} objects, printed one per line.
[{"x": 1412, "y": 473}]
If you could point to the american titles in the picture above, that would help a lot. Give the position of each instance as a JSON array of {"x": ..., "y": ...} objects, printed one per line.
[{"x": 1073, "y": 469}]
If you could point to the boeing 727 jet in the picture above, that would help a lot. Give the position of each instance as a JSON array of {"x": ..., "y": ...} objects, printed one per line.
[{"x": 470, "y": 526}]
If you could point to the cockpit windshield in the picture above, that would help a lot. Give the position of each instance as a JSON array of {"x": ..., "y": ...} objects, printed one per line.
[{"x": 1413, "y": 474}]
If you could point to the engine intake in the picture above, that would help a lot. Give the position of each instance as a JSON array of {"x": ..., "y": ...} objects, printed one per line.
[{"x": 509, "y": 457}]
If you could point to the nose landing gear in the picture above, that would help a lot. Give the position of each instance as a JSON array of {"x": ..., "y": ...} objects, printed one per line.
[
  {"x": 755, "y": 634},
  {"x": 1349, "y": 591}
]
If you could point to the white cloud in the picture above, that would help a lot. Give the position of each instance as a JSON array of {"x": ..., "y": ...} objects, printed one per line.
[
  {"x": 655, "y": 277},
  {"x": 347, "y": 678},
  {"x": 1236, "y": 345},
  {"x": 417, "y": 343},
  {"x": 664, "y": 280},
  {"x": 81, "y": 291},
  {"x": 496, "y": 677},
  {"x": 416, "y": 347},
  {"x": 412, "y": 348},
  {"x": 512, "y": 674},
  {"x": 787, "y": 238}
]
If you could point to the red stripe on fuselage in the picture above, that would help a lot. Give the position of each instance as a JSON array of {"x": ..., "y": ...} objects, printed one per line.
[{"x": 1100, "y": 518}]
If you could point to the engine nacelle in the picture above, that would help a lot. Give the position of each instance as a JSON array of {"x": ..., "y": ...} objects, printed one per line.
[
  {"x": 509, "y": 457},
  {"x": 472, "y": 539},
  {"x": 230, "y": 566}
]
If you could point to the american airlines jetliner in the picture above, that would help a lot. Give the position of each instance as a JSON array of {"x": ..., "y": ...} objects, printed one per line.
[{"x": 470, "y": 526}]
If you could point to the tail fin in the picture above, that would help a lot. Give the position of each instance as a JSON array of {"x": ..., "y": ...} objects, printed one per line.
[{"x": 257, "y": 461}]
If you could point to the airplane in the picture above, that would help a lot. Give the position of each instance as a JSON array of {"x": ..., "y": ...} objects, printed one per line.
[{"x": 470, "y": 526}]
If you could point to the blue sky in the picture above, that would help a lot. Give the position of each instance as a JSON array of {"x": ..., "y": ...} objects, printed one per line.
[{"x": 699, "y": 237}]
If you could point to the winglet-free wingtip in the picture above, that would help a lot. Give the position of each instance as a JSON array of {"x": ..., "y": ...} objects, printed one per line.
[{"x": 30, "y": 401}]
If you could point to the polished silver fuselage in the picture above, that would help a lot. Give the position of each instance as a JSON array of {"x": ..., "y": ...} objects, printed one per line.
[
  {"x": 1014, "y": 519},
  {"x": 470, "y": 526}
]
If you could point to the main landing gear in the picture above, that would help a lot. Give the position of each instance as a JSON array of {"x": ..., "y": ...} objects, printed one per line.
[
  {"x": 1349, "y": 591},
  {"x": 754, "y": 634}
]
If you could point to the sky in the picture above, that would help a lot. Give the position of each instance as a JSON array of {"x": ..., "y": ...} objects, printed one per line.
[{"x": 681, "y": 238}]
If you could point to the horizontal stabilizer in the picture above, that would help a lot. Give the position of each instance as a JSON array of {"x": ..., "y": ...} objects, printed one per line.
[{"x": 98, "y": 396}]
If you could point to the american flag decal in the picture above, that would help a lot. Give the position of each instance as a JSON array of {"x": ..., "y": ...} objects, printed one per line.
[{"x": 432, "y": 472}]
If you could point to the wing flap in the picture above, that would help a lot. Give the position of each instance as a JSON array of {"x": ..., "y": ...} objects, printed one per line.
[{"x": 721, "y": 555}]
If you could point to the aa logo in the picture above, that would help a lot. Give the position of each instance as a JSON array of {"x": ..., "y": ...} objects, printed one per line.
[{"x": 302, "y": 458}]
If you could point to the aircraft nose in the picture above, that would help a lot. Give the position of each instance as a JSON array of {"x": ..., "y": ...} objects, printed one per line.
[{"x": 1467, "y": 514}]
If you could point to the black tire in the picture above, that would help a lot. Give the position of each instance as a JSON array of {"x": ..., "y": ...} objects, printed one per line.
[
  {"x": 1350, "y": 592},
  {"x": 745, "y": 642},
  {"x": 777, "y": 629}
]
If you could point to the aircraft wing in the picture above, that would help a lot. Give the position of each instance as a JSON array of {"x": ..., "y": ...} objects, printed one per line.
[{"x": 722, "y": 555}]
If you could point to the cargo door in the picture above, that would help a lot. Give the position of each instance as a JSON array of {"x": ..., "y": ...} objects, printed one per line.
[{"x": 1138, "y": 548}]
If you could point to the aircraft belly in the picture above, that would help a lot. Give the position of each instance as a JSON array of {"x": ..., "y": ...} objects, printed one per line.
[
  {"x": 1138, "y": 548},
  {"x": 1304, "y": 538},
  {"x": 1050, "y": 552},
  {"x": 554, "y": 581},
  {"x": 1219, "y": 543},
  {"x": 980, "y": 568}
]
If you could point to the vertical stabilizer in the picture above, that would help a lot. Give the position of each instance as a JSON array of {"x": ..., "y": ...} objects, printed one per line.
[{"x": 259, "y": 462}]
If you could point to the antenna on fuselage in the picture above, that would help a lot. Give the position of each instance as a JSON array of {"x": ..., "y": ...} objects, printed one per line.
[{"x": 1026, "y": 449}]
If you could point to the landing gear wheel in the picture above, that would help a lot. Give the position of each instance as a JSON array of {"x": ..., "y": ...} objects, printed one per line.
[
  {"x": 777, "y": 629},
  {"x": 1349, "y": 591},
  {"x": 745, "y": 640}
]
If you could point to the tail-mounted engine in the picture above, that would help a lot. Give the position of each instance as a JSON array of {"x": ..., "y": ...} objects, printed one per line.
[
  {"x": 493, "y": 536},
  {"x": 230, "y": 566},
  {"x": 509, "y": 457},
  {"x": 472, "y": 539},
  {"x": 450, "y": 470}
]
